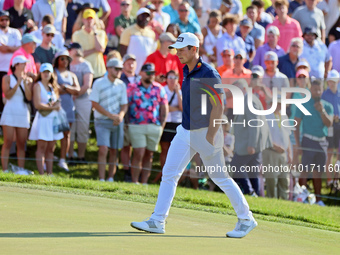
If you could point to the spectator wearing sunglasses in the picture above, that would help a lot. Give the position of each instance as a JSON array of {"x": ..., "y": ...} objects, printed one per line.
[
  {"x": 58, "y": 40},
  {"x": 148, "y": 110},
  {"x": 109, "y": 100},
  {"x": 185, "y": 23},
  {"x": 46, "y": 51}
]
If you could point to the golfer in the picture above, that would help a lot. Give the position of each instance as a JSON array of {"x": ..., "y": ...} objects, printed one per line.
[{"x": 197, "y": 133}]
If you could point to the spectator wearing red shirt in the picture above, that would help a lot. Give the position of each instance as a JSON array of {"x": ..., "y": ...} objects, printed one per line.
[
  {"x": 10, "y": 3},
  {"x": 163, "y": 60},
  {"x": 289, "y": 28},
  {"x": 28, "y": 45}
]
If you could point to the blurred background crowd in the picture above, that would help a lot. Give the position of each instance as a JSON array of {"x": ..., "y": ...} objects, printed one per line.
[{"x": 108, "y": 61}]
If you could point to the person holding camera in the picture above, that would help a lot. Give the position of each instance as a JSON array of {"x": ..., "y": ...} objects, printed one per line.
[
  {"x": 163, "y": 60},
  {"x": 46, "y": 101},
  {"x": 15, "y": 119}
]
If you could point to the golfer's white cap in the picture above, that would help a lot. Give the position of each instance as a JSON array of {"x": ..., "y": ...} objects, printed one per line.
[{"x": 184, "y": 40}]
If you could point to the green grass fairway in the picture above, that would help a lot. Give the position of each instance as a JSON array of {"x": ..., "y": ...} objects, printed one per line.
[{"x": 45, "y": 222}]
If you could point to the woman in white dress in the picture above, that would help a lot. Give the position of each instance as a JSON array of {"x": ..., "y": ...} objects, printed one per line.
[
  {"x": 46, "y": 101},
  {"x": 15, "y": 119}
]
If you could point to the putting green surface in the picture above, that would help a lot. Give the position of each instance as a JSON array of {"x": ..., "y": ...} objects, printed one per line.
[{"x": 44, "y": 222}]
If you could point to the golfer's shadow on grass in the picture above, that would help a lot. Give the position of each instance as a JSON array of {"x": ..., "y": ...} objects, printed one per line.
[{"x": 93, "y": 234}]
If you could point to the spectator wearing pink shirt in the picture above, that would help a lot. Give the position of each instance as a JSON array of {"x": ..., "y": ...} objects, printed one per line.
[
  {"x": 10, "y": 3},
  {"x": 28, "y": 45},
  {"x": 289, "y": 27}
]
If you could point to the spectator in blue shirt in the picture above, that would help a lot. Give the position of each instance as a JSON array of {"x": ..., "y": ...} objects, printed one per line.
[
  {"x": 258, "y": 31},
  {"x": 185, "y": 23},
  {"x": 332, "y": 95},
  {"x": 273, "y": 35},
  {"x": 314, "y": 130},
  {"x": 245, "y": 27},
  {"x": 287, "y": 63},
  {"x": 229, "y": 39},
  {"x": 263, "y": 18},
  {"x": 172, "y": 8}
]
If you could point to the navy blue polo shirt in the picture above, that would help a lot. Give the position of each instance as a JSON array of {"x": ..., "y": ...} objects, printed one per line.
[
  {"x": 286, "y": 66},
  {"x": 200, "y": 80}
]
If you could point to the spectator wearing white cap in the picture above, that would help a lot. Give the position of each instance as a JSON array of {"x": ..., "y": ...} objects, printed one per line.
[
  {"x": 316, "y": 53},
  {"x": 138, "y": 39},
  {"x": 68, "y": 87},
  {"x": 272, "y": 77},
  {"x": 28, "y": 46},
  {"x": 334, "y": 51},
  {"x": 273, "y": 35},
  {"x": 46, "y": 101},
  {"x": 56, "y": 8},
  {"x": 15, "y": 118},
  {"x": 10, "y": 41},
  {"x": 58, "y": 40},
  {"x": 288, "y": 27},
  {"x": 332, "y": 95},
  {"x": 93, "y": 42},
  {"x": 109, "y": 99},
  {"x": 83, "y": 107},
  {"x": 163, "y": 60},
  {"x": 45, "y": 52},
  {"x": 259, "y": 89}
]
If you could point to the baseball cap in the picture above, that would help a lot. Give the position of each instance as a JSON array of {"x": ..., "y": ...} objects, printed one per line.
[
  {"x": 302, "y": 62},
  {"x": 303, "y": 72},
  {"x": 151, "y": 7},
  {"x": 310, "y": 30},
  {"x": 270, "y": 56},
  {"x": 246, "y": 22},
  {"x": 167, "y": 37},
  {"x": 4, "y": 13},
  {"x": 274, "y": 30},
  {"x": 128, "y": 56},
  {"x": 89, "y": 13},
  {"x": 46, "y": 67},
  {"x": 257, "y": 69},
  {"x": 87, "y": 6},
  {"x": 27, "y": 38},
  {"x": 114, "y": 62},
  {"x": 49, "y": 29},
  {"x": 333, "y": 75},
  {"x": 63, "y": 53},
  {"x": 228, "y": 51},
  {"x": 148, "y": 67},
  {"x": 73, "y": 45},
  {"x": 184, "y": 40},
  {"x": 143, "y": 10},
  {"x": 241, "y": 52},
  {"x": 19, "y": 60}
]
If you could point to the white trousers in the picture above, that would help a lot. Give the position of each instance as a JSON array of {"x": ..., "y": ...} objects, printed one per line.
[{"x": 183, "y": 147}]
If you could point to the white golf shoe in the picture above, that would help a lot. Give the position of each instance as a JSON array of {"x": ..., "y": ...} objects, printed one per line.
[
  {"x": 150, "y": 226},
  {"x": 243, "y": 227}
]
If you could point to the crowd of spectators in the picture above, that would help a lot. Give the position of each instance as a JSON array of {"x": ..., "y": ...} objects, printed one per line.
[{"x": 112, "y": 57}]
